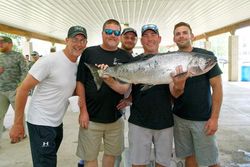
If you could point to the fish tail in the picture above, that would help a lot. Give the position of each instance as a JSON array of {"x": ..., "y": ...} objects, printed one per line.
[{"x": 96, "y": 73}]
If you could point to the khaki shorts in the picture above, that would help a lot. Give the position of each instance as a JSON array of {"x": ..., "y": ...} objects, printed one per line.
[
  {"x": 6, "y": 98},
  {"x": 89, "y": 140}
]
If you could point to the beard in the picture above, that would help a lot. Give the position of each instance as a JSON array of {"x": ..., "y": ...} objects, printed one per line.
[
  {"x": 3, "y": 50},
  {"x": 128, "y": 47},
  {"x": 112, "y": 44},
  {"x": 184, "y": 44}
]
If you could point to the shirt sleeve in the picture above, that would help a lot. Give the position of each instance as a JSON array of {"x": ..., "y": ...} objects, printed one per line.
[
  {"x": 214, "y": 71},
  {"x": 23, "y": 67},
  {"x": 41, "y": 69},
  {"x": 81, "y": 69}
]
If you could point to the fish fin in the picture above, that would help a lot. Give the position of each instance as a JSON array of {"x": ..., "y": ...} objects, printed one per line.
[
  {"x": 96, "y": 72},
  {"x": 146, "y": 87}
]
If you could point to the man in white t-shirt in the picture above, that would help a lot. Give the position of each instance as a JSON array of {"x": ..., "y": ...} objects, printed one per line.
[{"x": 55, "y": 79}]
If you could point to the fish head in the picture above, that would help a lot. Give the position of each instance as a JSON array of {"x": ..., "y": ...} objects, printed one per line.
[{"x": 201, "y": 64}]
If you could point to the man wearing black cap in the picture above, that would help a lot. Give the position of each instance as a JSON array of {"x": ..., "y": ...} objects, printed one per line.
[
  {"x": 128, "y": 42},
  {"x": 55, "y": 79},
  {"x": 13, "y": 69},
  {"x": 150, "y": 120},
  {"x": 35, "y": 57},
  {"x": 128, "y": 39}
]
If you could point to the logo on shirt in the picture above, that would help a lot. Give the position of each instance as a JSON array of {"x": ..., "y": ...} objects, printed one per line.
[{"x": 116, "y": 61}]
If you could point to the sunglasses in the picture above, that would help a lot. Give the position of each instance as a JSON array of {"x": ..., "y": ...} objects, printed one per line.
[
  {"x": 149, "y": 27},
  {"x": 110, "y": 32}
]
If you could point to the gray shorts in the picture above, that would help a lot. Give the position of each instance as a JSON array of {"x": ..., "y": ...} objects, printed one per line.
[
  {"x": 90, "y": 140},
  {"x": 190, "y": 139},
  {"x": 140, "y": 144}
]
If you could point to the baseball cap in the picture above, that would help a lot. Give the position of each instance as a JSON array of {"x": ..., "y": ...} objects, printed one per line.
[
  {"x": 34, "y": 53},
  {"x": 5, "y": 39},
  {"x": 126, "y": 30},
  {"x": 75, "y": 30},
  {"x": 152, "y": 27}
]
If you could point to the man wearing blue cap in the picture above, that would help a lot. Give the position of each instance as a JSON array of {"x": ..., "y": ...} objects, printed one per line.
[
  {"x": 150, "y": 120},
  {"x": 55, "y": 83}
]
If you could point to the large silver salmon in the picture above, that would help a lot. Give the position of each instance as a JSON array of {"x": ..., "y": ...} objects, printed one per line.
[{"x": 156, "y": 69}]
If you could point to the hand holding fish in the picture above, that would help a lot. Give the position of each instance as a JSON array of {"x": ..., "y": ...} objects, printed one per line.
[
  {"x": 110, "y": 81},
  {"x": 179, "y": 79},
  {"x": 103, "y": 67}
]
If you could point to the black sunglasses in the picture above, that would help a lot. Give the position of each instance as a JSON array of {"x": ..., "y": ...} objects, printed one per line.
[{"x": 110, "y": 32}]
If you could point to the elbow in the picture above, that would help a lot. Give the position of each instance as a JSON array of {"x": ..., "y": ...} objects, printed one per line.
[
  {"x": 22, "y": 91},
  {"x": 177, "y": 94},
  {"x": 122, "y": 91}
]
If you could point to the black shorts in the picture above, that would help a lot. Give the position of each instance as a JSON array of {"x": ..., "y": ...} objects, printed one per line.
[{"x": 44, "y": 143}]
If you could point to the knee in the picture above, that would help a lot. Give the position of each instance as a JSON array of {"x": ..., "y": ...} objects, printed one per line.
[
  {"x": 92, "y": 163},
  {"x": 190, "y": 158},
  {"x": 190, "y": 161},
  {"x": 109, "y": 157}
]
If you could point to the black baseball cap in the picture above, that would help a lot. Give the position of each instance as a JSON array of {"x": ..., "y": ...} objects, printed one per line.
[
  {"x": 34, "y": 53},
  {"x": 126, "y": 30},
  {"x": 75, "y": 30}
]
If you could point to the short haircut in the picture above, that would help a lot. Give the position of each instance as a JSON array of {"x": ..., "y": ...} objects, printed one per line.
[
  {"x": 183, "y": 24},
  {"x": 111, "y": 21}
]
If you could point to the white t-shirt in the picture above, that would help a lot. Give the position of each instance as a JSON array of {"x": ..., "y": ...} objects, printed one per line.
[{"x": 57, "y": 81}]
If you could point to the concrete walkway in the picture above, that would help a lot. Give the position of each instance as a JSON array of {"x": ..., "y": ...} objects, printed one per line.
[{"x": 233, "y": 134}]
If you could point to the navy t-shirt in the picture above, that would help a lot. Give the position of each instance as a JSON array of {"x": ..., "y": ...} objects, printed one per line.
[
  {"x": 196, "y": 101},
  {"x": 151, "y": 108},
  {"x": 101, "y": 104}
]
